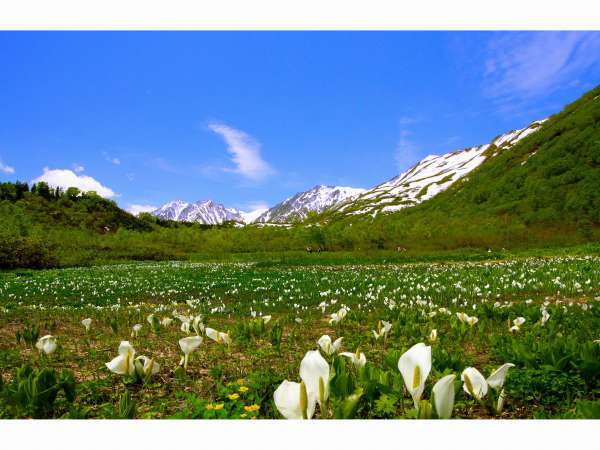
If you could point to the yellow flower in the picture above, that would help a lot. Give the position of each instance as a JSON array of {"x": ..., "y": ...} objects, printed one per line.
[
  {"x": 243, "y": 415},
  {"x": 243, "y": 389},
  {"x": 240, "y": 382},
  {"x": 254, "y": 407},
  {"x": 233, "y": 396},
  {"x": 219, "y": 406},
  {"x": 210, "y": 406}
]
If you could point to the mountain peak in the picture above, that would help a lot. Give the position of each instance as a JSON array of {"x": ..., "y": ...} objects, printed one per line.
[
  {"x": 317, "y": 199},
  {"x": 203, "y": 211}
]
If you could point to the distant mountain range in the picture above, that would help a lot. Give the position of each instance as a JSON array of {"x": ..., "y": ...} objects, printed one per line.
[
  {"x": 206, "y": 211},
  {"x": 423, "y": 181}
]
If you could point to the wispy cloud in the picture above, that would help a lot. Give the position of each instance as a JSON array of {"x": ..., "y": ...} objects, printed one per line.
[
  {"x": 138, "y": 209},
  {"x": 407, "y": 152},
  {"x": 525, "y": 65},
  {"x": 78, "y": 168},
  {"x": 5, "y": 168},
  {"x": 245, "y": 153},
  {"x": 111, "y": 159},
  {"x": 65, "y": 178}
]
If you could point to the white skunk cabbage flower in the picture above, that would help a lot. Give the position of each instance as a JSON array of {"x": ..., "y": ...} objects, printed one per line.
[
  {"x": 383, "y": 328},
  {"x": 124, "y": 363},
  {"x": 145, "y": 366},
  {"x": 443, "y": 396},
  {"x": 358, "y": 359},
  {"x": 472, "y": 320},
  {"x": 327, "y": 346},
  {"x": 86, "y": 323},
  {"x": 298, "y": 320},
  {"x": 545, "y": 316},
  {"x": 188, "y": 345},
  {"x": 415, "y": 365},
  {"x": 462, "y": 316},
  {"x": 197, "y": 325},
  {"x": 217, "y": 336},
  {"x": 185, "y": 327},
  {"x": 433, "y": 336},
  {"x": 338, "y": 316},
  {"x": 519, "y": 321},
  {"x": 166, "y": 321},
  {"x": 46, "y": 344},
  {"x": 266, "y": 319},
  {"x": 314, "y": 372},
  {"x": 474, "y": 383},
  {"x": 291, "y": 400},
  {"x": 150, "y": 319},
  {"x": 496, "y": 379},
  {"x": 136, "y": 329}
]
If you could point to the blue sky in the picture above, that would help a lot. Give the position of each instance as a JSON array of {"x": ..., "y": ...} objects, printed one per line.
[{"x": 250, "y": 118}]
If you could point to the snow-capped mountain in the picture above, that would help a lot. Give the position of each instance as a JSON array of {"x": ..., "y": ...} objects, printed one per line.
[
  {"x": 429, "y": 177},
  {"x": 316, "y": 199},
  {"x": 206, "y": 212}
]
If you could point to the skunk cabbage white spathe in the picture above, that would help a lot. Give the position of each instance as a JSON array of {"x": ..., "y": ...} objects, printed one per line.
[
  {"x": 86, "y": 323},
  {"x": 291, "y": 399},
  {"x": 124, "y": 363},
  {"x": 145, "y": 366},
  {"x": 474, "y": 383},
  {"x": 545, "y": 316},
  {"x": 519, "y": 321},
  {"x": 327, "y": 346},
  {"x": 358, "y": 359},
  {"x": 188, "y": 345},
  {"x": 415, "y": 365},
  {"x": 217, "y": 336},
  {"x": 433, "y": 336},
  {"x": 197, "y": 325},
  {"x": 496, "y": 379},
  {"x": 46, "y": 344},
  {"x": 314, "y": 372},
  {"x": 472, "y": 320},
  {"x": 443, "y": 396},
  {"x": 383, "y": 328},
  {"x": 136, "y": 329}
]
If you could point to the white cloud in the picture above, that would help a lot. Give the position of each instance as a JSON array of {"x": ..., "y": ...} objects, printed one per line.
[
  {"x": 137, "y": 209},
  {"x": 78, "y": 168},
  {"x": 521, "y": 66},
  {"x": 6, "y": 169},
  {"x": 245, "y": 153},
  {"x": 65, "y": 178}
]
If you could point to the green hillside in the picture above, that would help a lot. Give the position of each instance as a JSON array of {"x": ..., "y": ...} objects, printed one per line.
[{"x": 546, "y": 188}]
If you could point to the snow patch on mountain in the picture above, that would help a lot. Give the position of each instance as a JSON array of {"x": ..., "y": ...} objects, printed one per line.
[
  {"x": 207, "y": 212},
  {"x": 429, "y": 177},
  {"x": 317, "y": 199}
]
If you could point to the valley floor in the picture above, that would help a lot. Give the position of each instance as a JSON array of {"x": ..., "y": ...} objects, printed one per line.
[{"x": 540, "y": 314}]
